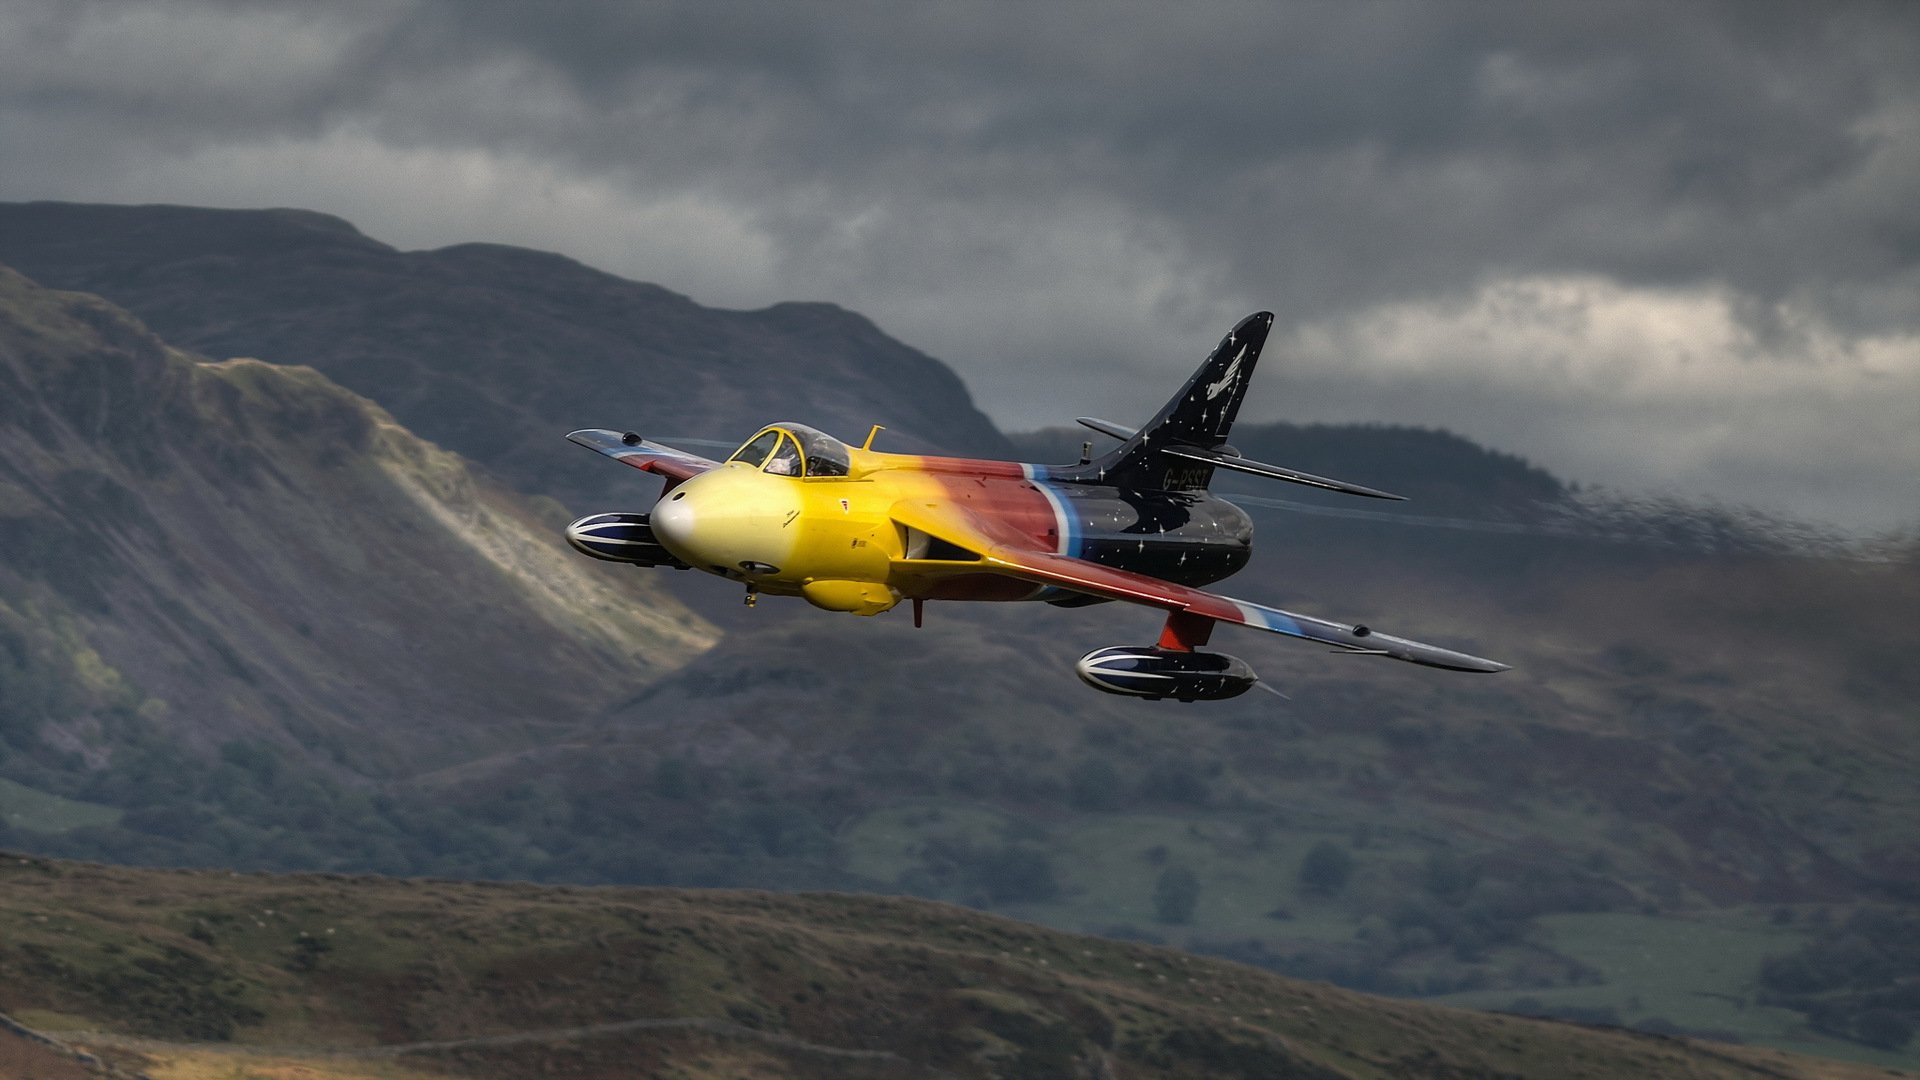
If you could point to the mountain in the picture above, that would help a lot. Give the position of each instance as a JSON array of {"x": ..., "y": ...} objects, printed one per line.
[
  {"x": 1686, "y": 808},
  {"x": 181, "y": 973},
  {"x": 242, "y": 559},
  {"x": 490, "y": 351}
]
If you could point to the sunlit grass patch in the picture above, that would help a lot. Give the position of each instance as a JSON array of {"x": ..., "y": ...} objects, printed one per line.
[{"x": 22, "y": 807}]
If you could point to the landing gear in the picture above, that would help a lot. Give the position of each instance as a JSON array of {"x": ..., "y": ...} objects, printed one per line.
[{"x": 752, "y": 596}]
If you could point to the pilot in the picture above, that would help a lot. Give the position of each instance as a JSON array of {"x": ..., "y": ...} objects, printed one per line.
[{"x": 786, "y": 460}]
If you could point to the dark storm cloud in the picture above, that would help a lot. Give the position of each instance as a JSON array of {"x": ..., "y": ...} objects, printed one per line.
[
  {"x": 1099, "y": 187},
  {"x": 1387, "y": 144}
]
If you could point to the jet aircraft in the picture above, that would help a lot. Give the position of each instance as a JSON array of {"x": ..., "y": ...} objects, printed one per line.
[{"x": 796, "y": 512}]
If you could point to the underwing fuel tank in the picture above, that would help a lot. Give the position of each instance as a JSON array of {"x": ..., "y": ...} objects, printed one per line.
[
  {"x": 1154, "y": 673},
  {"x": 624, "y": 538}
]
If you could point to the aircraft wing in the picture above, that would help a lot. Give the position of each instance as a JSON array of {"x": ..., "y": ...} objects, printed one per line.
[
  {"x": 1002, "y": 553},
  {"x": 675, "y": 465}
]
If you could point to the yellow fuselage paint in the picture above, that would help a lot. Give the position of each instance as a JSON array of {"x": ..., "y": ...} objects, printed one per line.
[
  {"x": 831, "y": 539},
  {"x": 828, "y": 539}
]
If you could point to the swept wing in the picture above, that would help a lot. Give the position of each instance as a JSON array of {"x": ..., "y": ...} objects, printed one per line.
[
  {"x": 631, "y": 449},
  {"x": 1002, "y": 553}
]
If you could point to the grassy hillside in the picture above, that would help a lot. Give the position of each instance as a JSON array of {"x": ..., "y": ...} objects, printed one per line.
[{"x": 201, "y": 974}]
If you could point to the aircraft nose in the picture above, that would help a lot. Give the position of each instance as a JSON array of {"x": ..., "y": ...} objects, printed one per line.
[
  {"x": 730, "y": 521},
  {"x": 673, "y": 521}
]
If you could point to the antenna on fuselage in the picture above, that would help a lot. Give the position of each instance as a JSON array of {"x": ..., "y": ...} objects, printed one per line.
[{"x": 868, "y": 445}]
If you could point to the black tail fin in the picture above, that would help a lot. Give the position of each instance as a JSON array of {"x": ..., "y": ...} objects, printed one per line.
[{"x": 1200, "y": 415}]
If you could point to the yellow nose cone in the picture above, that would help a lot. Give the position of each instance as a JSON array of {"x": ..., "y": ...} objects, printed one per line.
[{"x": 731, "y": 520}]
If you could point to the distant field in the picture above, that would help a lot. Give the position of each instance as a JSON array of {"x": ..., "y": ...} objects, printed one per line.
[
  {"x": 1699, "y": 973},
  {"x": 22, "y": 807},
  {"x": 1695, "y": 972}
]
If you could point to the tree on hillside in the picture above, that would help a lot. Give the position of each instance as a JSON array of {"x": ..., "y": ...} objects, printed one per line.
[
  {"x": 1175, "y": 894},
  {"x": 1449, "y": 877},
  {"x": 1177, "y": 780},
  {"x": 1094, "y": 785},
  {"x": 1326, "y": 868},
  {"x": 1882, "y": 1027}
]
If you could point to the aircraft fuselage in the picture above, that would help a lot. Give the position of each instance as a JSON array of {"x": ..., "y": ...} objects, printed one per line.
[{"x": 835, "y": 539}]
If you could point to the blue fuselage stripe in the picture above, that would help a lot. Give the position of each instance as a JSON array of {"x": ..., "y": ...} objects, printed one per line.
[{"x": 1063, "y": 513}]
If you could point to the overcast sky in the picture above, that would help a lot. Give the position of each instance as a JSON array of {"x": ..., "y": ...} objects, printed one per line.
[{"x": 1663, "y": 246}]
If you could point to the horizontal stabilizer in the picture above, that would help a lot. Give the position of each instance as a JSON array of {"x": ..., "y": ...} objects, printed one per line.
[
  {"x": 1273, "y": 472},
  {"x": 1105, "y": 427}
]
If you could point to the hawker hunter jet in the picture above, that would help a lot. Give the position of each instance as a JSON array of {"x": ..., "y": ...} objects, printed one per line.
[{"x": 796, "y": 512}]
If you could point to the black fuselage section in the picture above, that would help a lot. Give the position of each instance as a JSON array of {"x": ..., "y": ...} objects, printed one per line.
[{"x": 1187, "y": 537}]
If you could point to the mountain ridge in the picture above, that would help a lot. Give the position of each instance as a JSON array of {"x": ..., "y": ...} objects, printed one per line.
[{"x": 492, "y": 351}]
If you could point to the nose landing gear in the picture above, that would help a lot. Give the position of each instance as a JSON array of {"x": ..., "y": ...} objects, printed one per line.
[{"x": 753, "y": 597}]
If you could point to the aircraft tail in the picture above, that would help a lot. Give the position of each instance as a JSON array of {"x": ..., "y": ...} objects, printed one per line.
[
  {"x": 1197, "y": 418},
  {"x": 1183, "y": 444}
]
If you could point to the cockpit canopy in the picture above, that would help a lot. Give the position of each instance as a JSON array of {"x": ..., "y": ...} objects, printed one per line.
[{"x": 795, "y": 450}]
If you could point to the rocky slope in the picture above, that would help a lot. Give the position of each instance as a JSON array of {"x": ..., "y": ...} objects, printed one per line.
[{"x": 199, "y": 553}]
